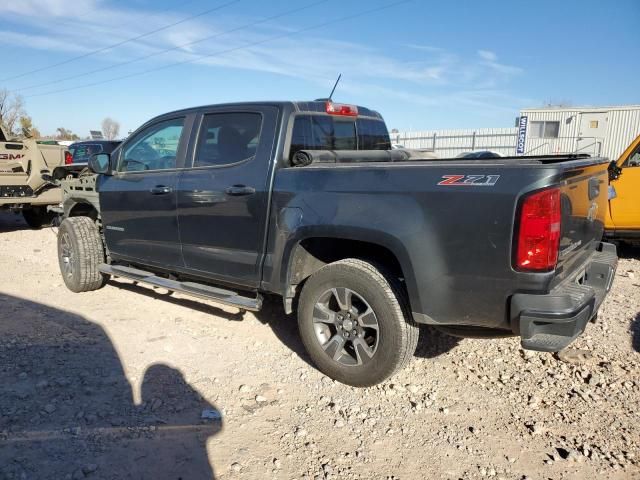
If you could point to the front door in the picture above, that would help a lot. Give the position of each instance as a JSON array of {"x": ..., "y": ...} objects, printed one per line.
[
  {"x": 625, "y": 207},
  {"x": 592, "y": 132},
  {"x": 138, "y": 202},
  {"x": 222, "y": 198}
]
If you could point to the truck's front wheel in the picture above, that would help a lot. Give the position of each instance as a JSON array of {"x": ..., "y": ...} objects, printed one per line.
[
  {"x": 38, "y": 217},
  {"x": 80, "y": 253},
  {"x": 354, "y": 323}
]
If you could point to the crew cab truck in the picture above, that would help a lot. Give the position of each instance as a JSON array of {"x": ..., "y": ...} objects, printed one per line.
[
  {"x": 306, "y": 200},
  {"x": 22, "y": 188},
  {"x": 623, "y": 216}
]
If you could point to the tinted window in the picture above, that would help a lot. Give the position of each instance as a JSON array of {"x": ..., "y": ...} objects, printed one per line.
[
  {"x": 227, "y": 138},
  {"x": 154, "y": 148},
  {"x": 324, "y": 132},
  {"x": 81, "y": 153},
  {"x": 372, "y": 135}
]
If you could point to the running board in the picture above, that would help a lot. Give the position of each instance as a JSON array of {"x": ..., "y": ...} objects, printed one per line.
[{"x": 226, "y": 297}]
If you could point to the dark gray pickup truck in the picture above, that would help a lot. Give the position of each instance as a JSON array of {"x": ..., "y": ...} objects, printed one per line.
[{"x": 307, "y": 201}]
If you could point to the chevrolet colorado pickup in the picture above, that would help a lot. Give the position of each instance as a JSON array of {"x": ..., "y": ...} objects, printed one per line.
[{"x": 306, "y": 200}]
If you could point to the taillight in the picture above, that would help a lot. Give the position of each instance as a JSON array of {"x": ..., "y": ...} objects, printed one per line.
[
  {"x": 539, "y": 232},
  {"x": 68, "y": 158},
  {"x": 341, "y": 109}
]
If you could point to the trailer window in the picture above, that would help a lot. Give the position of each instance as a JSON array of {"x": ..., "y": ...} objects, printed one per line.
[{"x": 544, "y": 129}]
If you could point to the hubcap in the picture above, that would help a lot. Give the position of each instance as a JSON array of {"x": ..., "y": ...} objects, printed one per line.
[
  {"x": 346, "y": 326},
  {"x": 66, "y": 255}
]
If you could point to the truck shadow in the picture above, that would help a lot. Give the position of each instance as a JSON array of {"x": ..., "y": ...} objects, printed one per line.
[
  {"x": 431, "y": 342},
  {"x": 627, "y": 250},
  {"x": 168, "y": 297},
  {"x": 67, "y": 408},
  {"x": 10, "y": 222}
]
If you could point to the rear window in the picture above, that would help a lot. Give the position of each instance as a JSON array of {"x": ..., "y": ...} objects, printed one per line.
[
  {"x": 325, "y": 132},
  {"x": 82, "y": 153}
]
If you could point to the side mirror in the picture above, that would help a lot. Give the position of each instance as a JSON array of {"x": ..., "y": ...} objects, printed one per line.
[
  {"x": 100, "y": 163},
  {"x": 614, "y": 171}
]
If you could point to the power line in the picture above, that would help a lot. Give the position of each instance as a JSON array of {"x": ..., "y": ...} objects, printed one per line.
[
  {"x": 138, "y": 37},
  {"x": 155, "y": 54},
  {"x": 158, "y": 13},
  {"x": 221, "y": 52}
]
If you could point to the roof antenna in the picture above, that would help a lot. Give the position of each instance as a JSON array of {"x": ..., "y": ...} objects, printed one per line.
[{"x": 334, "y": 87}]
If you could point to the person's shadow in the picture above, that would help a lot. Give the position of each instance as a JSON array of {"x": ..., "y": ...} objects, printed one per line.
[{"x": 67, "y": 409}]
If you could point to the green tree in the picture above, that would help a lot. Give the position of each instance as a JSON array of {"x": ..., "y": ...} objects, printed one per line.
[
  {"x": 64, "y": 134},
  {"x": 27, "y": 129}
]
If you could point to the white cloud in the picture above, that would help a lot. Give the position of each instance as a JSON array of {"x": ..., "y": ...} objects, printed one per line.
[
  {"x": 474, "y": 81},
  {"x": 44, "y": 8},
  {"x": 487, "y": 55}
]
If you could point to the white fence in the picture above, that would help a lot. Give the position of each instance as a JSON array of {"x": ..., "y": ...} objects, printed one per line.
[{"x": 449, "y": 143}]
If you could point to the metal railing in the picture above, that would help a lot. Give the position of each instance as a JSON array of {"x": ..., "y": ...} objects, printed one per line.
[{"x": 504, "y": 143}]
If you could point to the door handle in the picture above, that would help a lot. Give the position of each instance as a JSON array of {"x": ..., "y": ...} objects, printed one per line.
[
  {"x": 160, "y": 190},
  {"x": 240, "y": 190}
]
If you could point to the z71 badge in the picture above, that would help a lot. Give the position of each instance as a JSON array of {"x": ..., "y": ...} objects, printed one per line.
[{"x": 469, "y": 180}]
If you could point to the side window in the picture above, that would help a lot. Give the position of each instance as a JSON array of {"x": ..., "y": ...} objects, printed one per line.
[
  {"x": 634, "y": 158},
  {"x": 227, "y": 138},
  {"x": 155, "y": 148}
]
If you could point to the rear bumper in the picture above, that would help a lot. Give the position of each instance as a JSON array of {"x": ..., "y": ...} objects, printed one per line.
[
  {"x": 50, "y": 196},
  {"x": 550, "y": 322}
]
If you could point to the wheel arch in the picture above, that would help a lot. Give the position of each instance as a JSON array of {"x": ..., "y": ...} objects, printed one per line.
[
  {"x": 311, "y": 252},
  {"x": 80, "y": 208}
]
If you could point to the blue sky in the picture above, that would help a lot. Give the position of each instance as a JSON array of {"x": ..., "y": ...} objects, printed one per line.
[{"x": 423, "y": 65}]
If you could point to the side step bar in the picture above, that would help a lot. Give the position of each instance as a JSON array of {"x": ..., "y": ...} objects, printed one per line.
[{"x": 226, "y": 297}]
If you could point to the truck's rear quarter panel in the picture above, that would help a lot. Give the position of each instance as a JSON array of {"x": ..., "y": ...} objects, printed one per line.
[{"x": 453, "y": 242}]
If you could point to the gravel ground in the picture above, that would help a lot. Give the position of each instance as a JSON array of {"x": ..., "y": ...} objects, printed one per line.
[{"x": 130, "y": 382}]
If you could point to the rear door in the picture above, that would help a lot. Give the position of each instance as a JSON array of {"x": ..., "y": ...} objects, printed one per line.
[
  {"x": 625, "y": 207},
  {"x": 592, "y": 132},
  {"x": 223, "y": 196},
  {"x": 138, "y": 203}
]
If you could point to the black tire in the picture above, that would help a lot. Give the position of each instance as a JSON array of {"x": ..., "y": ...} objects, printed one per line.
[
  {"x": 388, "y": 347},
  {"x": 80, "y": 252},
  {"x": 38, "y": 217}
]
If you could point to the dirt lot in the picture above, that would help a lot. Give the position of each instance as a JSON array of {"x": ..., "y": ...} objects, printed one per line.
[{"x": 114, "y": 384}]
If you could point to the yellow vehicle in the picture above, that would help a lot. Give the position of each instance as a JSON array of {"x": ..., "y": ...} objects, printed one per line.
[{"x": 623, "y": 218}]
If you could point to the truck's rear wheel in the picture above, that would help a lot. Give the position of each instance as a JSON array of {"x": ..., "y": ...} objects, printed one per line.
[
  {"x": 80, "y": 252},
  {"x": 354, "y": 323},
  {"x": 38, "y": 217}
]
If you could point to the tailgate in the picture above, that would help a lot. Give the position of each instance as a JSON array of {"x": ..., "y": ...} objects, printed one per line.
[
  {"x": 584, "y": 205},
  {"x": 15, "y": 169}
]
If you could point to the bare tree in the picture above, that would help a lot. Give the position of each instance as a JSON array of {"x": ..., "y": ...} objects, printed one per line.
[
  {"x": 110, "y": 128},
  {"x": 11, "y": 109}
]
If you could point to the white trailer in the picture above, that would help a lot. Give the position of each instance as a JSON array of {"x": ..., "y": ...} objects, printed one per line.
[{"x": 605, "y": 131}]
